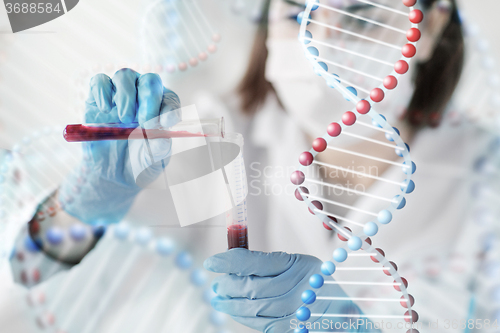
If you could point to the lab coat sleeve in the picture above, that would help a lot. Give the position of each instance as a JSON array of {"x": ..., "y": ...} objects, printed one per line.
[{"x": 21, "y": 309}]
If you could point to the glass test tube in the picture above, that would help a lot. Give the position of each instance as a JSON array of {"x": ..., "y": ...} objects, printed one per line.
[
  {"x": 236, "y": 218},
  {"x": 133, "y": 131}
]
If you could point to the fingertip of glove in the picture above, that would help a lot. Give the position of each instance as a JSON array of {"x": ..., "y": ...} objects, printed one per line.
[
  {"x": 207, "y": 264},
  {"x": 213, "y": 302},
  {"x": 223, "y": 262},
  {"x": 216, "y": 303},
  {"x": 217, "y": 265},
  {"x": 214, "y": 286}
]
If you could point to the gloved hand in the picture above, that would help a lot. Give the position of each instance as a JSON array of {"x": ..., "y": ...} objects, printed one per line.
[
  {"x": 263, "y": 290},
  {"x": 102, "y": 190}
]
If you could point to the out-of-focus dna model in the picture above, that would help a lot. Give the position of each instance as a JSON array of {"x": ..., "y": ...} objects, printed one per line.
[
  {"x": 131, "y": 282},
  {"x": 477, "y": 97},
  {"x": 31, "y": 171},
  {"x": 176, "y": 35},
  {"x": 484, "y": 305}
]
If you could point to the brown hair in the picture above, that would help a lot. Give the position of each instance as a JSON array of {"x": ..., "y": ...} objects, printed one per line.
[
  {"x": 254, "y": 87},
  {"x": 435, "y": 80}
]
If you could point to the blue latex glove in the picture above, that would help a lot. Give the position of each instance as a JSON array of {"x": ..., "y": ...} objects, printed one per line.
[
  {"x": 102, "y": 190},
  {"x": 263, "y": 290}
]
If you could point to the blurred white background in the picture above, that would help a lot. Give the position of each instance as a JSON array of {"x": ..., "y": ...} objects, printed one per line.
[{"x": 483, "y": 13}]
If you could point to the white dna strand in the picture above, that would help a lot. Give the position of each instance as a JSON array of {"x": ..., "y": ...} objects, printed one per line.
[
  {"x": 484, "y": 287},
  {"x": 390, "y": 27},
  {"x": 476, "y": 100},
  {"x": 366, "y": 278},
  {"x": 177, "y": 35},
  {"x": 136, "y": 283},
  {"x": 32, "y": 170},
  {"x": 477, "y": 97}
]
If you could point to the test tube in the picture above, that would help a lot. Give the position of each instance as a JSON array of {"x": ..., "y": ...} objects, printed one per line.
[
  {"x": 236, "y": 218},
  {"x": 120, "y": 131}
]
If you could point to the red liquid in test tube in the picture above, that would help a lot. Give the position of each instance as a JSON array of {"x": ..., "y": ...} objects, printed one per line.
[
  {"x": 118, "y": 131},
  {"x": 237, "y": 236},
  {"x": 237, "y": 218},
  {"x": 82, "y": 133}
]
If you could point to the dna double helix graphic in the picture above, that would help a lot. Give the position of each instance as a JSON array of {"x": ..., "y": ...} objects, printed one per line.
[{"x": 372, "y": 48}]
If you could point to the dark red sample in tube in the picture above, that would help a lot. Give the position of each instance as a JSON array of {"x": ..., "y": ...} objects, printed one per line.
[
  {"x": 237, "y": 236},
  {"x": 101, "y": 132},
  {"x": 81, "y": 133}
]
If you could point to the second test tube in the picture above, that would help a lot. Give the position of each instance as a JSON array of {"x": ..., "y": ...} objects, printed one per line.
[{"x": 236, "y": 219}]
